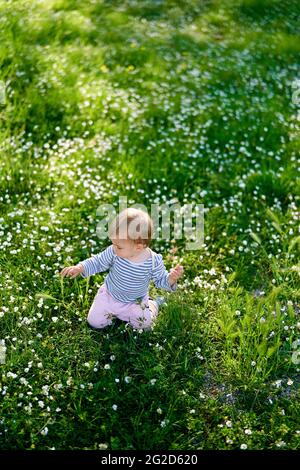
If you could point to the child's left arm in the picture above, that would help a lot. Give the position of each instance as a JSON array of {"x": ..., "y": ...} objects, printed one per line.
[{"x": 164, "y": 280}]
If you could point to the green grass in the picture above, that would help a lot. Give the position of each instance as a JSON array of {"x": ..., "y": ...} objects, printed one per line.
[{"x": 154, "y": 101}]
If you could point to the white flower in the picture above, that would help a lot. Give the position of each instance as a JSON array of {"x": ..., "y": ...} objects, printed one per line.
[
  {"x": 159, "y": 411},
  {"x": 290, "y": 382},
  {"x": 164, "y": 423},
  {"x": 102, "y": 446},
  {"x": 228, "y": 424},
  {"x": 127, "y": 380},
  {"x": 44, "y": 431},
  {"x": 152, "y": 381},
  {"x": 115, "y": 407},
  {"x": 248, "y": 431},
  {"x": 107, "y": 366},
  {"x": 253, "y": 363},
  {"x": 280, "y": 444},
  {"x": 54, "y": 319},
  {"x": 112, "y": 358},
  {"x": 243, "y": 446},
  {"x": 12, "y": 375},
  {"x": 57, "y": 386}
]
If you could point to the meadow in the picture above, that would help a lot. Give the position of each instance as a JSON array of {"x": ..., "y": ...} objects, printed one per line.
[{"x": 161, "y": 102}]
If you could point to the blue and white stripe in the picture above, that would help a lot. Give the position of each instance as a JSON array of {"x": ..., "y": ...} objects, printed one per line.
[{"x": 128, "y": 281}]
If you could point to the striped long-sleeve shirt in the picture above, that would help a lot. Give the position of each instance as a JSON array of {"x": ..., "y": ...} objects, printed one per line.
[{"x": 128, "y": 281}]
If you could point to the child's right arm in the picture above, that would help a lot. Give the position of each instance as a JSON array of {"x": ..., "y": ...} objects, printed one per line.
[{"x": 90, "y": 266}]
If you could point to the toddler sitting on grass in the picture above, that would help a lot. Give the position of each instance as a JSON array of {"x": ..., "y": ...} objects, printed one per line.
[{"x": 132, "y": 265}]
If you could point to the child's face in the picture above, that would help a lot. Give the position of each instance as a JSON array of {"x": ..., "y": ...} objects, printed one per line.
[{"x": 126, "y": 248}]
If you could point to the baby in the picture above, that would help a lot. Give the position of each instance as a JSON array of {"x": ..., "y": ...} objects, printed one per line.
[{"x": 131, "y": 264}]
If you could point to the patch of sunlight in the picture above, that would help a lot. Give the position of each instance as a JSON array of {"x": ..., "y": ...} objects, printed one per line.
[
  {"x": 199, "y": 35},
  {"x": 117, "y": 18},
  {"x": 287, "y": 43},
  {"x": 64, "y": 56},
  {"x": 208, "y": 25},
  {"x": 73, "y": 20},
  {"x": 280, "y": 43},
  {"x": 46, "y": 4}
]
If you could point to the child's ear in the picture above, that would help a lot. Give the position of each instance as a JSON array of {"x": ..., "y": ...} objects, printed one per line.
[{"x": 140, "y": 245}]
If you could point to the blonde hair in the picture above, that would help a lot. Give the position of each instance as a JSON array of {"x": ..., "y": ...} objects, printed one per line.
[{"x": 133, "y": 224}]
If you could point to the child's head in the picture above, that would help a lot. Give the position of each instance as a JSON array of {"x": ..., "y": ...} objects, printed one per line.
[{"x": 130, "y": 232}]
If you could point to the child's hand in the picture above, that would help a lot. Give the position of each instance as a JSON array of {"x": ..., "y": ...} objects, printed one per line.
[
  {"x": 175, "y": 274},
  {"x": 72, "y": 271}
]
